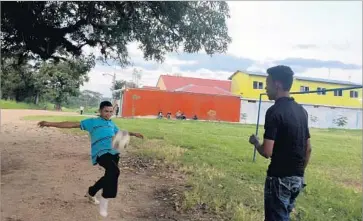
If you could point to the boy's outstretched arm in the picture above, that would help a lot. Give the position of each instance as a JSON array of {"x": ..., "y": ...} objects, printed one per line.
[
  {"x": 64, "y": 124},
  {"x": 138, "y": 135}
]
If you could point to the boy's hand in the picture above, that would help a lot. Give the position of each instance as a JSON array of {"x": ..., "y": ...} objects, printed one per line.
[
  {"x": 43, "y": 124},
  {"x": 254, "y": 139}
]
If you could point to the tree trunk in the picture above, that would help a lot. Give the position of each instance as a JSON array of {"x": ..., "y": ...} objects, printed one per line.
[
  {"x": 58, "y": 107},
  {"x": 36, "y": 100}
]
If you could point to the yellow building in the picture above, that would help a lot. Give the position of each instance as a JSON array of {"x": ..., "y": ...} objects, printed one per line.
[{"x": 250, "y": 85}]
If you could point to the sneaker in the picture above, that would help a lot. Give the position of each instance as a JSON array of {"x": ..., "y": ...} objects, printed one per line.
[
  {"x": 103, "y": 207},
  {"x": 92, "y": 199}
]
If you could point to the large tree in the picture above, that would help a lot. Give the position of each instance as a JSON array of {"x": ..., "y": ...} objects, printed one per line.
[
  {"x": 63, "y": 79},
  {"x": 48, "y": 80},
  {"x": 19, "y": 82},
  {"x": 59, "y": 29}
]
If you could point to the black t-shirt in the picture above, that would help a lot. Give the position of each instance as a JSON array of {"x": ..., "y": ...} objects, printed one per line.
[{"x": 286, "y": 122}]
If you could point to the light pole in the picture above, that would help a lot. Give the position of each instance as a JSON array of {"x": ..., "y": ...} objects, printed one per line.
[{"x": 113, "y": 81}]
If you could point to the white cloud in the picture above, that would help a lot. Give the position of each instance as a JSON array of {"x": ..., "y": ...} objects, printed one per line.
[{"x": 264, "y": 32}]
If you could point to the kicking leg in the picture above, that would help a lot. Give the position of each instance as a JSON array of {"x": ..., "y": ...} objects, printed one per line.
[{"x": 109, "y": 181}]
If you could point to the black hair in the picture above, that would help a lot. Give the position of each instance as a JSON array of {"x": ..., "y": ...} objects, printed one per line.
[
  {"x": 283, "y": 74},
  {"x": 105, "y": 104}
]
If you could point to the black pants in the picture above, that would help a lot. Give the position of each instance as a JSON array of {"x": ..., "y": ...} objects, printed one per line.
[{"x": 109, "y": 182}]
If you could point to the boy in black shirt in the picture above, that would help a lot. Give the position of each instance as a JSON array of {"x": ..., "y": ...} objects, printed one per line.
[{"x": 286, "y": 142}]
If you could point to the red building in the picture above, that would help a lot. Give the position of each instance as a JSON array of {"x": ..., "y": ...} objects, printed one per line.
[{"x": 206, "y": 98}]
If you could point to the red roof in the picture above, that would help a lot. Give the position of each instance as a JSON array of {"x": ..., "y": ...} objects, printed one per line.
[
  {"x": 175, "y": 82},
  {"x": 204, "y": 90}
]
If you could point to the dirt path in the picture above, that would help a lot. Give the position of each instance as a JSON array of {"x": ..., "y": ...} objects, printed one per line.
[{"x": 45, "y": 174}]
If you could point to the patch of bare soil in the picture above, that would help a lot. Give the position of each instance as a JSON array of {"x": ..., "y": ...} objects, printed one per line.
[{"x": 45, "y": 174}]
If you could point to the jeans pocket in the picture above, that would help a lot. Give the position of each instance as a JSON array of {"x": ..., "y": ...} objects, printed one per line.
[
  {"x": 284, "y": 189},
  {"x": 290, "y": 185}
]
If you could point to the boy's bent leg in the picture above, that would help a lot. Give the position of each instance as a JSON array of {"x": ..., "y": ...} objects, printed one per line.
[
  {"x": 92, "y": 190},
  {"x": 110, "y": 181}
]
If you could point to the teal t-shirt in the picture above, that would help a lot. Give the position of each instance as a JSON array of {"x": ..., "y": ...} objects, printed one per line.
[{"x": 101, "y": 132}]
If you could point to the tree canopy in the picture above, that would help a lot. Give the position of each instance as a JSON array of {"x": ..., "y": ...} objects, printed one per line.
[
  {"x": 60, "y": 29},
  {"x": 54, "y": 82}
]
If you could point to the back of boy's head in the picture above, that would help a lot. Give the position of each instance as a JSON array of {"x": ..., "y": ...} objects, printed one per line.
[
  {"x": 104, "y": 104},
  {"x": 283, "y": 74}
]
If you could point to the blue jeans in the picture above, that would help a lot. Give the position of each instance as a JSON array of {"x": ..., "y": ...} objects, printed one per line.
[{"x": 280, "y": 196}]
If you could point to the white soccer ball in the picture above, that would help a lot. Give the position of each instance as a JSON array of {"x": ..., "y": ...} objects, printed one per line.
[{"x": 121, "y": 139}]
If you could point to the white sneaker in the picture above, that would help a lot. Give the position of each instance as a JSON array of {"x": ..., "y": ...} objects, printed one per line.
[
  {"x": 103, "y": 207},
  {"x": 92, "y": 199}
]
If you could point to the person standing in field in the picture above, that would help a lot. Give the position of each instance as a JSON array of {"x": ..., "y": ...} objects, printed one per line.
[
  {"x": 286, "y": 142},
  {"x": 117, "y": 109},
  {"x": 101, "y": 130},
  {"x": 81, "y": 109}
]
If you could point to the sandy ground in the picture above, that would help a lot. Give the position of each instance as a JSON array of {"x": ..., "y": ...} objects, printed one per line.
[{"x": 45, "y": 174}]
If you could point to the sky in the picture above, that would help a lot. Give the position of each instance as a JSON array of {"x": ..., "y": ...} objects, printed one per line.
[{"x": 317, "y": 39}]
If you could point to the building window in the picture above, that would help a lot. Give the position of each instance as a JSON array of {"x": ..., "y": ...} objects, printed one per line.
[
  {"x": 304, "y": 89},
  {"x": 353, "y": 94},
  {"x": 338, "y": 93},
  {"x": 257, "y": 85},
  {"x": 321, "y": 91},
  {"x": 260, "y": 85}
]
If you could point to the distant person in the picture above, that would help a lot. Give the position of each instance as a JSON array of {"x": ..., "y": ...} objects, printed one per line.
[
  {"x": 168, "y": 115},
  {"x": 178, "y": 114},
  {"x": 117, "y": 110},
  {"x": 81, "y": 109},
  {"x": 195, "y": 117},
  {"x": 101, "y": 130},
  {"x": 286, "y": 142},
  {"x": 160, "y": 115}
]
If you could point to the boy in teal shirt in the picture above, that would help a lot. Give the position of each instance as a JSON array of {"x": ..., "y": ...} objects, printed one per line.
[{"x": 101, "y": 130}]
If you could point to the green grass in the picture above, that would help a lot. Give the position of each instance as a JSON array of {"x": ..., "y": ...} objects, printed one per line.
[
  {"x": 9, "y": 104},
  {"x": 87, "y": 111},
  {"x": 218, "y": 159}
]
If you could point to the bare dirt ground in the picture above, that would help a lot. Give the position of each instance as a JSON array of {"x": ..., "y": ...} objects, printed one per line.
[{"x": 45, "y": 174}]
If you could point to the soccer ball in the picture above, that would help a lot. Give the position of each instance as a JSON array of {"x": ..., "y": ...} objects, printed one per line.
[{"x": 121, "y": 139}]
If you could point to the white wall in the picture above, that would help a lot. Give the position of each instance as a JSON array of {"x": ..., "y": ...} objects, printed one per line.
[{"x": 319, "y": 117}]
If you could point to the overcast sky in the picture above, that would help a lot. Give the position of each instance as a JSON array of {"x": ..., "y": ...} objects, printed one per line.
[{"x": 312, "y": 37}]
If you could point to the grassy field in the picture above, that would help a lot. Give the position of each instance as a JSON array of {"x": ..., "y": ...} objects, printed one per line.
[
  {"x": 218, "y": 159},
  {"x": 9, "y": 104}
]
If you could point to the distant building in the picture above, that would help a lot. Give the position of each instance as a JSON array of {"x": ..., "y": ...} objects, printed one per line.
[
  {"x": 250, "y": 85},
  {"x": 205, "y": 98},
  {"x": 140, "y": 102}
]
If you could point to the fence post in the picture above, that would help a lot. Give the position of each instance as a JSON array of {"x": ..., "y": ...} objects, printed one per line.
[{"x": 257, "y": 124}]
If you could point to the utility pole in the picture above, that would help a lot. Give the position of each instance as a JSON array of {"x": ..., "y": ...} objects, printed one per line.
[
  {"x": 328, "y": 73},
  {"x": 113, "y": 82},
  {"x": 136, "y": 76}
]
